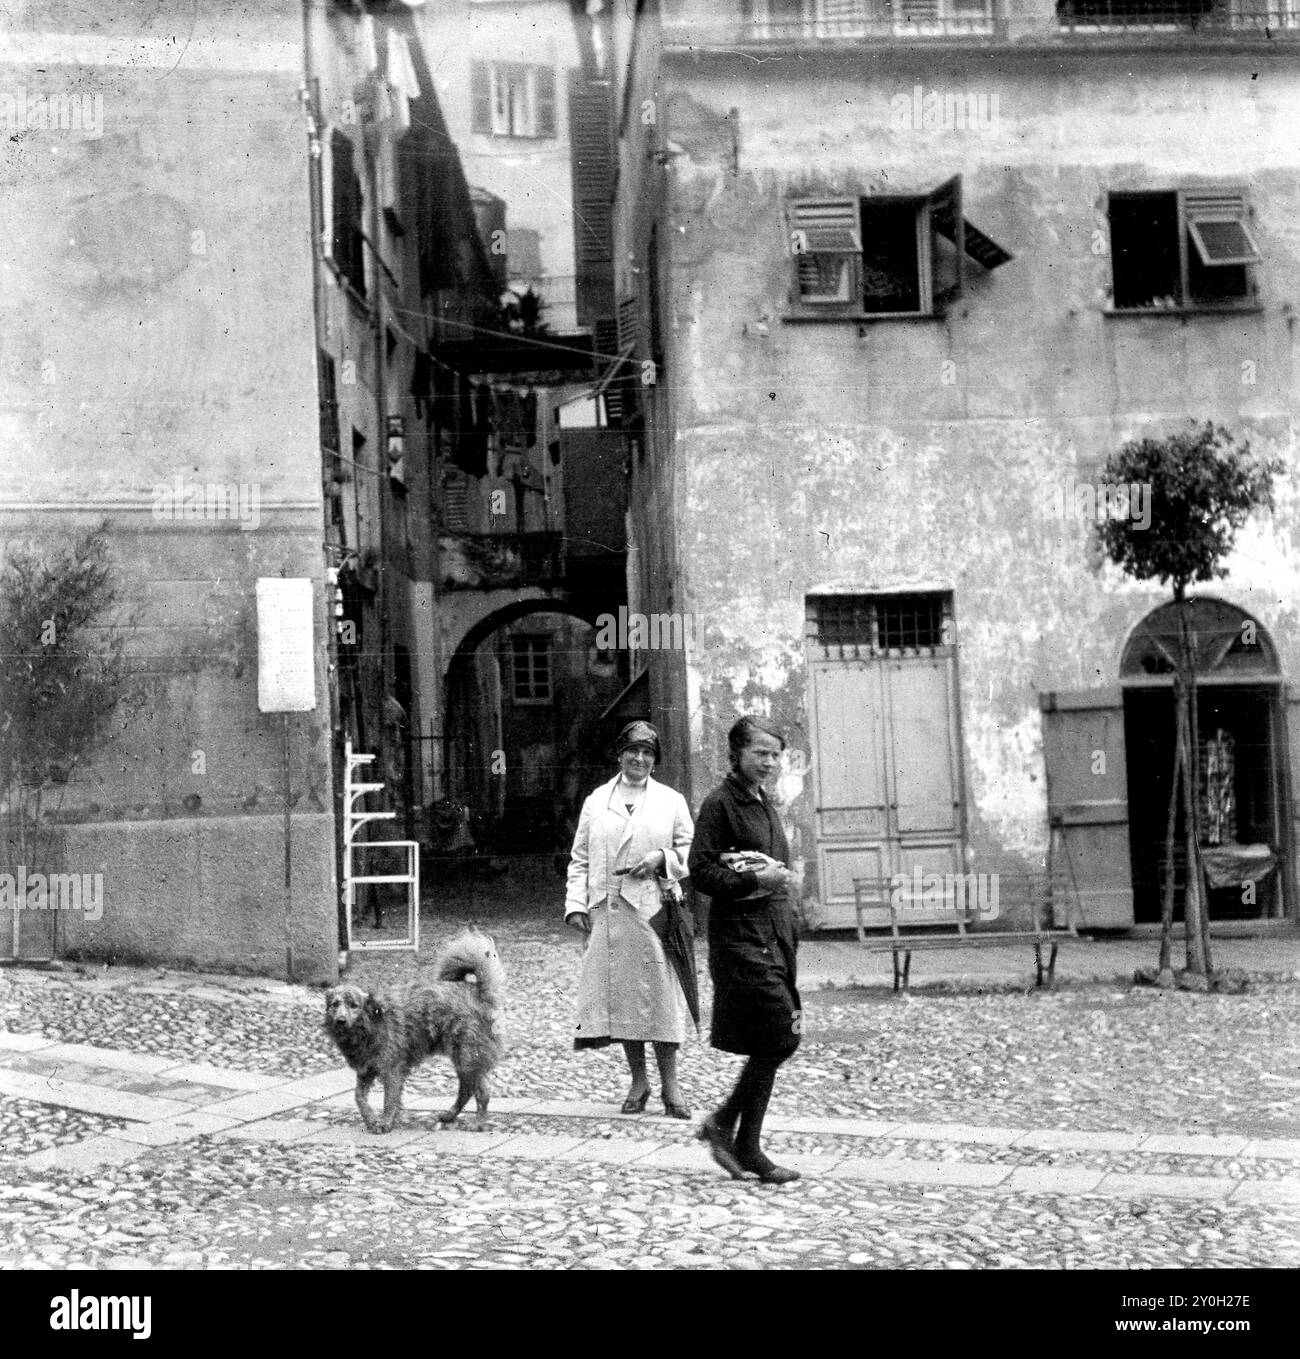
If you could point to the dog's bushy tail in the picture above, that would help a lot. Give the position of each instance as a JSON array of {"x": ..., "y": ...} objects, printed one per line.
[{"x": 473, "y": 951}]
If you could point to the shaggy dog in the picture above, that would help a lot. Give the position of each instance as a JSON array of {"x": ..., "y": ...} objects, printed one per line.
[{"x": 386, "y": 1036}]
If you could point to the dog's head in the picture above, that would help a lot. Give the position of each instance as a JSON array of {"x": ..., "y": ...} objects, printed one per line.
[{"x": 348, "y": 1008}]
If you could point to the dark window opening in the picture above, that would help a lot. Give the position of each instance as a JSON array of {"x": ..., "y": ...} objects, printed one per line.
[
  {"x": 1180, "y": 249},
  {"x": 348, "y": 243},
  {"x": 1144, "y": 249},
  {"x": 530, "y": 669},
  {"x": 891, "y": 271},
  {"x": 882, "y": 624}
]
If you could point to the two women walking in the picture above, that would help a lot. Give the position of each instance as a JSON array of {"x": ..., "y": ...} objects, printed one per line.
[{"x": 635, "y": 842}]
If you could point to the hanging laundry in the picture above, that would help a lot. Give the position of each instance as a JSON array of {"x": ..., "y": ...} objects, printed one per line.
[
  {"x": 444, "y": 396},
  {"x": 510, "y": 424},
  {"x": 470, "y": 451},
  {"x": 530, "y": 420},
  {"x": 554, "y": 450}
]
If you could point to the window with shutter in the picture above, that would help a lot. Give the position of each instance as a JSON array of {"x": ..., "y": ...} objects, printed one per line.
[
  {"x": 1180, "y": 250},
  {"x": 347, "y": 244},
  {"x": 512, "y": 99},
  {"x": 826, "y": 242},
  {"x": 884, "y": 256}
]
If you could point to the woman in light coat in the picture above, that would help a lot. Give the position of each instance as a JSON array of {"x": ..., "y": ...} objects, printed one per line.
[{"x": 632, "y": 841}]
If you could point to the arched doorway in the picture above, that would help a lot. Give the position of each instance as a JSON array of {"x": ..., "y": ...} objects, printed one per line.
[
  {"x": 526, "y": 693},
  {"x": 1241, "y": 735}
]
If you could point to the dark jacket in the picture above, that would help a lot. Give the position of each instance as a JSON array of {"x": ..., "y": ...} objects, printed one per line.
[{"x": 756, "y": 1008}]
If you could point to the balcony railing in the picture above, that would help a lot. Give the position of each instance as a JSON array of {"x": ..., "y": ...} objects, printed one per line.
[
  {"x": 981, "y": 21},
  {"x": 875, "y": 22},
  {"x": 1222, "y": 18}
]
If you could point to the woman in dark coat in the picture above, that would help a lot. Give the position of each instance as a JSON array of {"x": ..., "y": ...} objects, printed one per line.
[{"x": 741, "y": 859}]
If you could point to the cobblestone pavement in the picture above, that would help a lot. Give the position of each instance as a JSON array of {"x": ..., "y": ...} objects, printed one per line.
[{"x": 183, "y": 1121}]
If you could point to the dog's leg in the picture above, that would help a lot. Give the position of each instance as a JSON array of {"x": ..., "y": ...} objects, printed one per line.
[
  {"x": 463, "y": 1092},
  {"x": 363, "y": 1101},
  {"x": 481, "y": 1093},
  {"x": 393, "y": 1082}
]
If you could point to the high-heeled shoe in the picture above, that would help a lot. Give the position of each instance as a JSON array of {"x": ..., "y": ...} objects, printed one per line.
[
  {"x": 720, "y": 1146},
  {"x": 674, "y": 1110},
  {"x": 635, "y": 1105},
  {"x": 766, "y": 1169}
]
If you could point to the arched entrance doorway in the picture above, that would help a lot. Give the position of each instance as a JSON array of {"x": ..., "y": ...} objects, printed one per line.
[
  {"x": 525, "y": 735},
  {"x": 1243, "y": 811}
]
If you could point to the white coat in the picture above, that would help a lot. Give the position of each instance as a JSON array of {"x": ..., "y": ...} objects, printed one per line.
[{"x": 627, "y": 988}]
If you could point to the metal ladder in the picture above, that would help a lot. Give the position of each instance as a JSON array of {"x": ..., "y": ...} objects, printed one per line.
[{"x": 353, "y": 820}]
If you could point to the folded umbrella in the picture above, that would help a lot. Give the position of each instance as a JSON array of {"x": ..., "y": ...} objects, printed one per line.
[{"x": 672, "y": 923}]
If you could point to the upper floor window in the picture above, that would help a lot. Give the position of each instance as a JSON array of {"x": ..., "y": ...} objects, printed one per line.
[
  {"x": 1181, "y": 250},
  {"x": 347, "y": 240},
  {"x": 513, "y": 99},
  {"x": 803, "y": 19},
  {"x": 884, "y": 256}
]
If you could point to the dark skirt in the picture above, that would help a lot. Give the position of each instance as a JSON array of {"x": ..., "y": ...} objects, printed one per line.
[{"x": 756, "y": 1007}]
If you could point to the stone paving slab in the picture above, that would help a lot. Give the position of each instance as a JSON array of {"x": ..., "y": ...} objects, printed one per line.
[
  {"x": 90, "y": 1099},
  {"x": 143, "y": 1063},
  {"x": 536, "y": 1146},
  {"x": 811, "y": 1162},
  {"x": 222, "y": 1077},
  {"x": 970, "y": 1174},
  {"x": 169, "y": 1130},
  {"x": 261, "y": 1103},
  {"x": 454, "y": 1142},
  {"x": 1167, "y": 1186},
  {"x": 356, "y": 1134},
  {"x": 1194, "y": 1144},
  {"x": 1054, "y": 1180},
  {"x": 22, "y": 1042},
  {"x": 850, "y": 1127},
  {"x": 320, "y": 1086},
  {"x": 81, "y": 1156},
  {"x": 611, "y": 1151},
  {"x": 1285, "y": 1148},
  {"x": 271, "y": 1130},
  {"x": 676, "y": 1157},
  {"x": 1268, "y": 1193},
  {"x": 957, "y": 1132},
  {"x": 1067, "y": 1139}
]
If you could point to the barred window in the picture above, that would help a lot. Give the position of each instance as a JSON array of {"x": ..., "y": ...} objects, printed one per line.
[
  {"x": 904, "y": 624},
  {"x": 530, "y": 669}
]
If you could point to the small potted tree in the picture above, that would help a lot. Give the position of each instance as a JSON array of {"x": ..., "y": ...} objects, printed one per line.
[{"x": 1203, "y": 486}]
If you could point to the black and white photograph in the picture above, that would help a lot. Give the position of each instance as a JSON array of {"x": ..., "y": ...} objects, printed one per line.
[{"x": 651, "y": 635}]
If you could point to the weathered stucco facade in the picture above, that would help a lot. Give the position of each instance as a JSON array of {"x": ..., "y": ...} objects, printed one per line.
[
  {"x": 810, "y": 455},
  {"x": 158, "y": 325}
]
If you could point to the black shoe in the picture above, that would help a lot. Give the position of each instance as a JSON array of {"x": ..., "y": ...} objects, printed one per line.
[
  {"x": 767, "y": 1170},
  {"x": 635, "y": 1106},
  {"x": 720, "y": 1147},
  {"x": 675, "y": 1110}
]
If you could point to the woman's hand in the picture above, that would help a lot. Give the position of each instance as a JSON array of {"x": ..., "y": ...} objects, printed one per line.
[
  {"x": 773, "y": 875},
  {"x": 649, "y": 866},
  {"x": 578, "y": 920}
]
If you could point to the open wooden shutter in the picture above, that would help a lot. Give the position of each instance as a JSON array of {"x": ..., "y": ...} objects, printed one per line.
[
  {"x": 1216, "y": 223},
  {"x": 826, "y": 243},
  {"x": 480, "y": 96},
  {"x": 1087, "y": 807},
  {"x": 944, "y": 206}
]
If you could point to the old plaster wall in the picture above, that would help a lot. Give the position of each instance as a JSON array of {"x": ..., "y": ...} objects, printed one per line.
[
  {"x": 896, "y": 451},
  {"x": 157, "y": 323}
]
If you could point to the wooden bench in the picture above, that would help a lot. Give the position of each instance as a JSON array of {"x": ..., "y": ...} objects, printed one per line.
[{"x": 956, "y": 923}]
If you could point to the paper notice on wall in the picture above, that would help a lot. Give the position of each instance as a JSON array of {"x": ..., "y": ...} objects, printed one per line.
[{"x": 286, "y": 652}]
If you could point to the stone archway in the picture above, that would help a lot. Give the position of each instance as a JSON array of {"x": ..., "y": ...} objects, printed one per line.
[{"x": 1244, "y": 796}]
